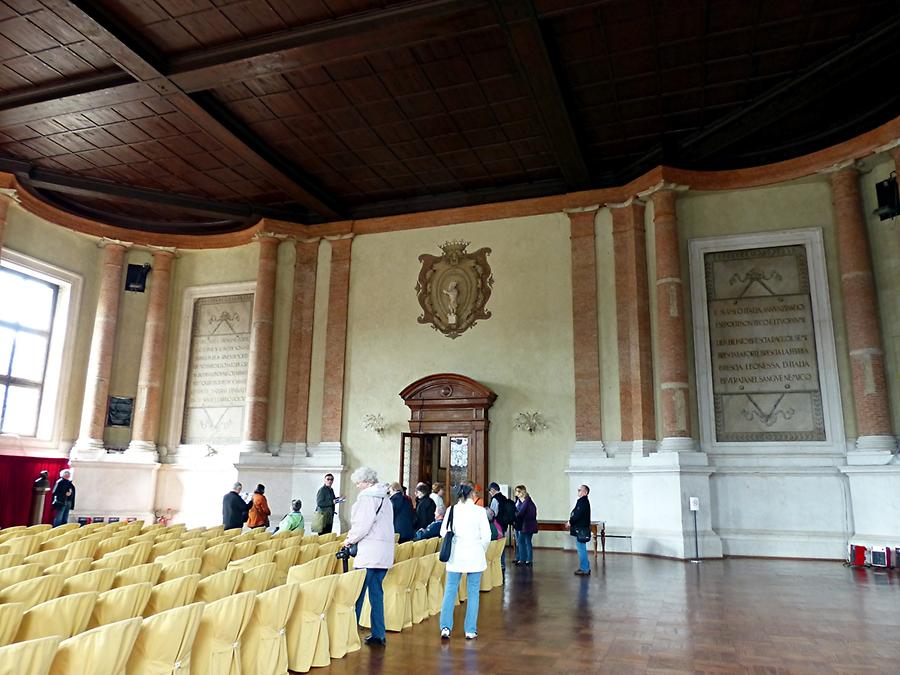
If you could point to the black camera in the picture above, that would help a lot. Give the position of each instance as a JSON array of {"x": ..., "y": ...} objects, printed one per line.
[{"x": 346, "y": 552}]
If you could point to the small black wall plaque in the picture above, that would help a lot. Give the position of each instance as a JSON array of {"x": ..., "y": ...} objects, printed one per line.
[{"x": 119, "y": 412}]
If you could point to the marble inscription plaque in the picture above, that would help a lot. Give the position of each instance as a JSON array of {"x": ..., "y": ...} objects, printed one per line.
[
  {"x": 217, "y": 379},
  {"x": 765, "y": 375}
]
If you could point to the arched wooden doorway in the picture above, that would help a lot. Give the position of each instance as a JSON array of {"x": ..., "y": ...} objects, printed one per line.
[{"x": 448, "y": 431}]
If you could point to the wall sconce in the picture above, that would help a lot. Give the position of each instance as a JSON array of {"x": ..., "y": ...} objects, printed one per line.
[
  {"x": 888, "y": 196},
  {"x": 373, "y": 423},
  {"x": 530, "y": 421}
]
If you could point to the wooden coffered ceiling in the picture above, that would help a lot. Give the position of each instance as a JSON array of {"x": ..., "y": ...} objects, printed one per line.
[{"x": 201, "y": 116}]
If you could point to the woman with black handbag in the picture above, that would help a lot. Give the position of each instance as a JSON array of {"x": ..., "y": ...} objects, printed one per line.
[
  {"x": 467, "y": 534},
  {"x": 580, "y": 528}
]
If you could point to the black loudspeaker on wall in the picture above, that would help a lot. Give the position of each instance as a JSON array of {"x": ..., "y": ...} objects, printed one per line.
[
  {"x": 136, "y": 277},
  {"x": 888, "y": 197}
]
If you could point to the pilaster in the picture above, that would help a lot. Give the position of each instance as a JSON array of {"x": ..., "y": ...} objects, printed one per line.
[{"x": 336, "y": 336}]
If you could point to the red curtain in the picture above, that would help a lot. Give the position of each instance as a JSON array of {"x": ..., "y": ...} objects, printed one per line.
[{"x": 17, "y": 476}]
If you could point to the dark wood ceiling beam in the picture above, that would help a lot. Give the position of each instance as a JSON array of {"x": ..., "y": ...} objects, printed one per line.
[
  {"x": 55, "y": 181},
  {"x": 527, "y": 45},
  {"x": 135, "y": 56},
  {"x": 327, "y": 42},
  {"x": 53, "y": 91},
  {"x": 880, "y": 46}
]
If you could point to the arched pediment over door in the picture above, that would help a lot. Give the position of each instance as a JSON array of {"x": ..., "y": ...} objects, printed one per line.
[{"x": 455, "y": 409}]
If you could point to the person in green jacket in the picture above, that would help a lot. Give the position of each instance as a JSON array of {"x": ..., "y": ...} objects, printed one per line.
[{"x": 293, "y": 520}]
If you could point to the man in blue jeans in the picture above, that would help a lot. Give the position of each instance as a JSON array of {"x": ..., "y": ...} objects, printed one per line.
[{"x": 580, "y": 528}]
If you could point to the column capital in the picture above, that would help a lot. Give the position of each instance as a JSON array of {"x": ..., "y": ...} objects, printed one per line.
[
  {"x": 103, "y": 242},
  {"x": 163, "y": 250},
  {"x": 847, "y": 166},
  {"x": 266, "y": 236},
  {"x": 339, "y": 237},
  {"x": 581, "y": 223},
  {"x": 893, "y": 145},
  {"x": 340, "y": 248},
  {"x": 9, "y": 195},
  {"x": 582, "y": 209},
  {"x": 663, "y": 186},
  {"x": 631, "y": 201}
]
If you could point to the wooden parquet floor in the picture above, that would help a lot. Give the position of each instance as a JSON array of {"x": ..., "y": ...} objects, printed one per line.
[{"x": 647, "y": 615}]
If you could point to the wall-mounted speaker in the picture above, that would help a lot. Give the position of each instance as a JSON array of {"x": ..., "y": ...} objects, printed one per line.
[
  {"x": 888, "y": 196},
  {"x": 136, "y": 278}
]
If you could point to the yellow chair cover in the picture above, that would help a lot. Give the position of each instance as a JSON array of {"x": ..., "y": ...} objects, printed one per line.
[
  {"x": 161, "y": 548},
  {"x": 120, "y": 604},
  {"x": 80, "y": 548},
  {"x": 329, "y": 548},
  {"x": 86, "y": 529},
  {"x": 34, "y": 591},
  {"x": 47, "y": 558},
  {"x": 420, "y": 548},
  {"x": 307, "y": 633},
  {"x": 10, "y": 618},
  {"x": 138, "y": 574},
  {"x": 433, "y": 545},
  {"x": 343, "y": 636},
  {"x": 8, "y": 560},
  {"x": 233, "y": 532},
  {"x": 109, "y": 545},
  {"x": 260, "y": 535},
  {"x": 403, "y": 551},
  {"x": 92, "y": 580},
  {"x": 288, "y": 533},
  {"x": 25, "y": 545},
  {"x": 309, "y": 539},
  {"x": 164, "y": 644},
  {"x": 283, "y": 561},
  {"x": 29, "y": 658},
  {"x": 186, "y": 553},
  {"x": 244, "y": 536},
  {"x": 215, "y": 531},
  {"x": 396, "y": 537},
  {"x": 326, "y": 538},
  {"x": 180, "y": 569},
  {"x": 166, "y": 537},
  {"x": 171, "y": 594},
  {"x": 69, "y": 568},
  {"x": 436, "y": 587},
  {"x": 140, "y": 551},
  {"x": 495, "y": 569},
  {"x": 243, "y": 549},
  {"x": 179, "y": 528},
  {"x": 269, "y": 545},
  {"x": 264, "y": 645},
  {"x": 299, "y": 574},
  {"x": 216, "y": 558},
  {"x": 260, "y": 558},
  {"x": 153, "y": 527},
  {"x": 219, "y": 585},
  {"x": 219, "y": 539},
  {"x": 257, "y": 578},
  {"x": 12, "y": 531},
  {"x": 396, "y": 589},
  {"x": 61, "y": 540},
  {"x": 113, "y": 561},
  {"x": 101, "y": 651},
  {"x": 308, "y": 552},
  {"x": 217, "y": 647},
  {"x": 22, "y": 572},
  {"x": 420, "y": 587},
  {"x": 42, "y": 527},
  {"x": 65, "y": 617}
]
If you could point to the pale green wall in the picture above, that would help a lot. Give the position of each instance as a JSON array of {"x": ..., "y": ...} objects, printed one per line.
[
  {"x": 800, "y": 204},
  {"x": 523, "y": 352}
]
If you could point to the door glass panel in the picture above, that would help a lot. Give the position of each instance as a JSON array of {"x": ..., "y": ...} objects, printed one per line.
[
  {"x": 20, "y": 415},
  {"x": 407, "y": 455},
  {"x": 459, "y": 461}
]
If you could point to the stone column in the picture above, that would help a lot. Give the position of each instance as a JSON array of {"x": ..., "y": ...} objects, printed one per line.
[
  {"x": 296, "y": 397},
  {"x": 633, "y": 321},
  {"x": 153, "y": 360},
  {"x": 588, "y": 431},
  {"x": 256, "y": 412},
  {"x": 96, "y": 388},
  {"x": 870, "y": 395},
  {"x": 336, "y": 341},
  {"x": 671, "y": 343}
]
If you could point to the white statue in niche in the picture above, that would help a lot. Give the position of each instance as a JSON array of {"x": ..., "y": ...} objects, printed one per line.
[{"x": 452, "y": 293}]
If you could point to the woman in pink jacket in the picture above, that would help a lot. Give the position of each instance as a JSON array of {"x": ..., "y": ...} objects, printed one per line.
[{"x": 372, "y": 530}]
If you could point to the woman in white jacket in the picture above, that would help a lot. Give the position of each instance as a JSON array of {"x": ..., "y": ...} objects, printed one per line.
[{"x": 471, "y": 537}]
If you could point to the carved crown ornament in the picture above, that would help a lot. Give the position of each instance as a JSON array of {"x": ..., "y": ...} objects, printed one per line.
[{"x": 454, "y": 288}]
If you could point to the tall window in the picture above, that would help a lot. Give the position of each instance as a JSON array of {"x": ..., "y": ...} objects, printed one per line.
[
  {"x": 27, "y": 308},
  {"x": 38, "y": 303}
]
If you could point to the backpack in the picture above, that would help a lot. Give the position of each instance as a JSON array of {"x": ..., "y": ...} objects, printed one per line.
[{"x": 506, "y": 508}]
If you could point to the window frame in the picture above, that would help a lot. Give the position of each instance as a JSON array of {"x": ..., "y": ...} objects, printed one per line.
[{"x": 58, "y": 366}]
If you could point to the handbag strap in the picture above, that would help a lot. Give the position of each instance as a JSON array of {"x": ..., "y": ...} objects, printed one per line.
[{"x": 450, "y": 521}]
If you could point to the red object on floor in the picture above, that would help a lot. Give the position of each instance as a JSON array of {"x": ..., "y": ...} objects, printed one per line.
[
  {"x": 17, "y": 476},
  {"x": 857, "y": 555}
]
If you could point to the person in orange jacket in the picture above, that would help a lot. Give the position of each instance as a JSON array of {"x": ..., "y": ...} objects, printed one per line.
[{"x": 259, "y": 508}]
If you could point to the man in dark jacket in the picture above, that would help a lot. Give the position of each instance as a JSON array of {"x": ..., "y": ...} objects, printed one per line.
[
  {"x": 580, "y": 528},
  {"x": 63, "y": 498},
  {"x": 325, "y": 501},
  {"x": 403, "y": 514},
  {"x": 425, "y": 506},
  {"x": 234, "y": 509}
]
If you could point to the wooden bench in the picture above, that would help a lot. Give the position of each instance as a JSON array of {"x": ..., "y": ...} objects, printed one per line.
[{"x": 598, "y": 532}]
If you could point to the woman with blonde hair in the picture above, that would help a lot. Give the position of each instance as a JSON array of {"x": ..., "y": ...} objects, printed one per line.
[{"x": 526, "y": 526}]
